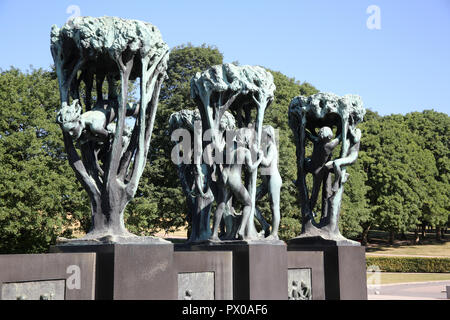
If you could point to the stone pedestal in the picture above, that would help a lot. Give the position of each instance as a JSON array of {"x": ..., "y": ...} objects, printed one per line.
[
  {"x": 47, "y": 276},
  {"x": 306, "y": 268},
  {"x": 259, "y": 268},
  {"x": 205, "y": 275},
  {"x": 344, "y": 269},
  {"x": 131, "y": 271}
]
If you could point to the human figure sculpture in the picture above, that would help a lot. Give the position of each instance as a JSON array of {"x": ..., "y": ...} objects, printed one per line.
[
  {"x": 231, "y": 181},
  {"x": 352, "y": 156},
  {"x": 188, "y": 295},
  {"x": 92, "y": 125},
  {"x": 195, "y": 178},
  {"x": 248, "y": 89},
  {"x": 294, "y": 294},
  {"x": 324, "y": 145},
  {"x": 324, "y": 111},
  {"x": 302, "y": 293},
  {"x": 271, "y": 182},
  {"x": 305, "y": 291}
]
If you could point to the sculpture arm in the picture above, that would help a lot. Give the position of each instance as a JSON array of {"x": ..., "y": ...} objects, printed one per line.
[
  {"x": 248, "y": 160},
  {"x": 199, "y": 180},
  {"x": 266, "y": 161},
  {"x": 351, "y": 157},
  {"x": 333, "y": 143},
  {"x": 311, "y": 137}
]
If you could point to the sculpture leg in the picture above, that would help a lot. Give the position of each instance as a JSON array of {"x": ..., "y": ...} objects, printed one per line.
[
  {"x": 274, "y": 193},
  {"x": 337, "y": 174},
  {"x": 223, "y": 198},
  {"x": 327, "y": 194},
  {"x": 243, "y": 195},
  {"x": 203, "y": 212},
  {"x": 261, "y": 191},
  {"x": 317, "y": 181},
  {"x": 229, "y": 220}
]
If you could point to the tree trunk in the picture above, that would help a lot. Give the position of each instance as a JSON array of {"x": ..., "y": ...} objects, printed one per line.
[
  {"x": 365, "y": 236},
  {"x": 416, "y": 235},
  {"x": 107, "y": 219},
  {"x": 391, "y": 237},
  {"x": 403, "y": 236},
  {"x": 424, "y": 226},
  {"x": 438, "y": 233}
]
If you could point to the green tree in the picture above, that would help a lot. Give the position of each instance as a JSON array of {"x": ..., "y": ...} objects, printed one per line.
[
  {"x": 399, "y": 171},
  {"x": 39, "y": 197},
  {"x": 355, "y": 210},
  {"x": 433, "y": 132}
]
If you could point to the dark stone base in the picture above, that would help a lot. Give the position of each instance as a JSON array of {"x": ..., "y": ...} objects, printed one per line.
[
  {"x": 110, "y": 239},
  {"x": 34, "y": 271},
  {"x": 311, "y": 261},
  {"x": 314, "y": 236},
  {"x": 259, "y": 268},
  {"x": 344, "y": 269},
  {"x": 131, "y": 271},
  {"x": 321, "y": 241},
  {"x": 219, "y": 263}
]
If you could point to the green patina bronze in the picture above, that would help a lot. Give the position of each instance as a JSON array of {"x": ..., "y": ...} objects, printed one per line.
[
  {"x": 238, "y": 89},
  {"x": 113, "y": 154},
  {"x": 314, "y": 118}
]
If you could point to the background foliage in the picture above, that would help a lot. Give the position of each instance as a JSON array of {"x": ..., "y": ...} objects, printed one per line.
[
  {"x": 410, "y": 264},
  {"x": 400, "y": 182}
]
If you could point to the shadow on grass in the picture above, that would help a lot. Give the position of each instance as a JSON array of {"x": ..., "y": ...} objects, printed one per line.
[{"x": 378, "y": 241}]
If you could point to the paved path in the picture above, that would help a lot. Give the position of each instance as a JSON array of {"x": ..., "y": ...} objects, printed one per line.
[
  {"x": 432, "y": 290},
  {"x": 402, "y": 255}
]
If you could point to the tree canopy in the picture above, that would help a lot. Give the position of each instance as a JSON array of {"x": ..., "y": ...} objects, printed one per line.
[{"x": 39, "y": 197}]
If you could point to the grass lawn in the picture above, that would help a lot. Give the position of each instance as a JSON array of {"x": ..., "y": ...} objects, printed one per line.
[
  {"x": 387, "y": 277},
  {"x": 432, "y": 250}
]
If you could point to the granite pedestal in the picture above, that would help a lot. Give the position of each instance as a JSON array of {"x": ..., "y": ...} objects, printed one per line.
[
  {"x": 344, "y": 268},
  {"x": 131, "y": 271},
  {"x": 47, "y": 276},
  {"x": 259, "y": 268},
  {"x": 204, "y": 275},
  {"x": 306, "y": 267}
]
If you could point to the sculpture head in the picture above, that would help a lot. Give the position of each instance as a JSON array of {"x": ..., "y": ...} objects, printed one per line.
[
  {"x": 244, "y": 137},
  {"x": 325, "y": 133},
  {"x": 227, "y": 122},
  {"x": 354, "y": 134},
  {"x": 269, "y": 131},
  {"x": 69, "y": 118}
]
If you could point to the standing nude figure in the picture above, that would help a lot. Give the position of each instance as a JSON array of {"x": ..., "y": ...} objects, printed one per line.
[
  {"x": 350, "y": 158},
  {"x": 316, "y": 164},
  {"x": 271, "y": 182},
  {"x": 231, "y": 180}
]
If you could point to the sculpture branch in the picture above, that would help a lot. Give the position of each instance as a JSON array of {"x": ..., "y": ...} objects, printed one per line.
[{"x": 226, "y": 106}]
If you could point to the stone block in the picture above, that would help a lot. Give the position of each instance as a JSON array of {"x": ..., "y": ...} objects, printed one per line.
[
  {"x": 208, "y": 275},
  {"x": 50, "y": 276}
]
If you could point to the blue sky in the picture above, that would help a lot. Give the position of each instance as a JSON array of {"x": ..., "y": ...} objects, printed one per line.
[{"x": 400, "y": 68}]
